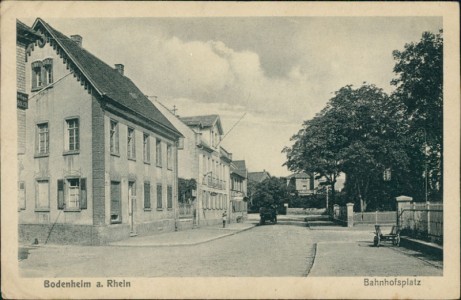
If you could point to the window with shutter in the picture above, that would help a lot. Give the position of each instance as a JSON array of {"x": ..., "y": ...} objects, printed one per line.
[
  {"x": 83, "y": 198},
  {"x": 73, "y": 193},
  {"x": 115, "y": 203},
  {"x": 159, "y": 196},
  {"x": 60, "y": 194},
  {"x": 169, "y": 196},
  {"x": 146, "y": 195}
]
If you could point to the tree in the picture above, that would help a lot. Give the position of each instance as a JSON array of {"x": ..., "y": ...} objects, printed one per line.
[
  {"x": 359, "y": 133},
  {"x": 271, "y": 191},
  {"x": 419, "y": 87},
  {"x": 185, "y": 188},
  {"x": 316, "y": 149}
]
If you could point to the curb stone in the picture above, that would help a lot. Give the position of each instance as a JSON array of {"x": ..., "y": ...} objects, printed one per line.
[{"x": 185, "y": 244}]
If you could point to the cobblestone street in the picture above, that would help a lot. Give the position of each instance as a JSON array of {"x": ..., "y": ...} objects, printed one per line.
[{"x": 271, "y": 250}]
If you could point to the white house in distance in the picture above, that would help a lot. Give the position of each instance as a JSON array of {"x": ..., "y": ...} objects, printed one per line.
[{"x": 202, "y": 158}]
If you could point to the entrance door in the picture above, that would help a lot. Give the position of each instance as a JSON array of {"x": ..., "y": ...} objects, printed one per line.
[{"x": 131, "y": 203}]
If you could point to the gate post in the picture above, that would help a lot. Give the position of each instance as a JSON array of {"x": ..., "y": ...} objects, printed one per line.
[
  {"x": 350, "y": 214},
  {"x": 403, "y": 203},
  {"x": 335, "y": 211}
]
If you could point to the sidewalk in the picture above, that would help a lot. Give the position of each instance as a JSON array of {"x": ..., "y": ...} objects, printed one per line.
[{"x": 185, "y": 238}]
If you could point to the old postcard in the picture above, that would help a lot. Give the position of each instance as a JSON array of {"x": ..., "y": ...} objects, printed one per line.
[{"x": 230, "y": 150}]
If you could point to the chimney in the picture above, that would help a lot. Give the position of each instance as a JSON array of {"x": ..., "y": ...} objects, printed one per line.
[
  {"x": 77, "y": 38},
  {"x": 120, "y": 68}
]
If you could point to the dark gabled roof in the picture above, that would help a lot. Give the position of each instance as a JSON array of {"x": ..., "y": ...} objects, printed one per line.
[
  {"x": 107, "y": 81},
  {"x": 203, "y": 121},
  {"x": 26, "y": 34},
  {"x": 258, "y": 176},
  {"x": 239, "y": 164},
  {"x": 239, "y": 167}
]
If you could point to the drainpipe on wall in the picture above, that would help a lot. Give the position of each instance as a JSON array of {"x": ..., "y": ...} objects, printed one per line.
[{"x": 176, "y": 212}]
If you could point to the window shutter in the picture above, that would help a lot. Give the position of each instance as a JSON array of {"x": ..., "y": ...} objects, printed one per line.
[
  {"x": 83, "y": 202},
  {"x": 60, "y": 194},
  {"x": 146, "y": 195}
]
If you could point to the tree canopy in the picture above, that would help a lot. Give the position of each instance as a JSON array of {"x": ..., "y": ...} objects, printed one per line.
[
  {"x": 365, "y": 133},
  {"x": 271, "y": 191}
]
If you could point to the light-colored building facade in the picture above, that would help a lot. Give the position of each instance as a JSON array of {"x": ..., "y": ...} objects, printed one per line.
[
  {"x": 203, "y": 159},
  {"x": 305, "y": 184},
  {"x": 100, "y": 161},
  {"x": 25, "y": 40},
  {"x": 239, "y": 191},
  {"x": 213, "y": 169}
]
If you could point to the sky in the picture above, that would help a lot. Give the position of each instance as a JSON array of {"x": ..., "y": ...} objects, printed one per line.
[{"x": 275, "y": 72}]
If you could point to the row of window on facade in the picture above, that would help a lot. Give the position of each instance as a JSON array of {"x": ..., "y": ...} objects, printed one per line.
[
  {"x": 237, "y": 184},
  {"x": 72, "y": 142},
  {"x": 116, "y": 204},
  {"x": 131, "y": 146},
  {"x": 72, "y": 195},
  {"x": 212, "y": 169},
  {"x": 213, "y": 201}
]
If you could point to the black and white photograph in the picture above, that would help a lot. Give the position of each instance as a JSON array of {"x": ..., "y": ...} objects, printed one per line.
[{"x": 230, "y": 150}]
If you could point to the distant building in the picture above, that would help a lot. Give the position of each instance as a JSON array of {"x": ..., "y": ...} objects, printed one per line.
[
  {"x": 305, "y": 184},
  {"x": 202, "y": 159},
  {"x": 99, "y": 161},
  {"x": 239, "y": 199},
  {"x": 257, "y": 177},
  {"x": 253, "y": 179},
  {"x": 213, "y": 169}
]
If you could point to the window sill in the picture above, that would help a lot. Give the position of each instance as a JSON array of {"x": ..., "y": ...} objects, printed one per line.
[
  {"x": 170, "y": 209},
  {"x": 159, "y": 166},
  {"x": 131, "y": 158},
  {"x": 42, "y": 87},
  {"x": 38, "y": 155},
  {"x": 159, "y": 209},
  {"x": 115, "y": 154},
  {"x": 115, "y": 222},
  {"x": 72, "y": 210},
  {"x": 170, "y": 169},
  {"x": 147, "y": 209},
  {"x": 42, "y": 210},
  {"x": 147, "y": 162},
  {"x": 72, "y": 152}
]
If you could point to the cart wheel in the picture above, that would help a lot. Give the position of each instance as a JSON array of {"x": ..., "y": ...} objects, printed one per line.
[{"x": 375, "y": 241}]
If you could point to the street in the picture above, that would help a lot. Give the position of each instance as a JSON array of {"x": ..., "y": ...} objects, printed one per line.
[{"x": 284, "y": 249}]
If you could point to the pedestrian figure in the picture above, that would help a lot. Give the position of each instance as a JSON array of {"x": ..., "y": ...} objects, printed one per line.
[{"x": 224, "y": 216}]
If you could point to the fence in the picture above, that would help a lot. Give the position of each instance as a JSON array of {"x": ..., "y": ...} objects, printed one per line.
[
  {"x": 342, "y": 215},
  {"x": 423, "y": 221},
  {"x": 381, "y": 217}
]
